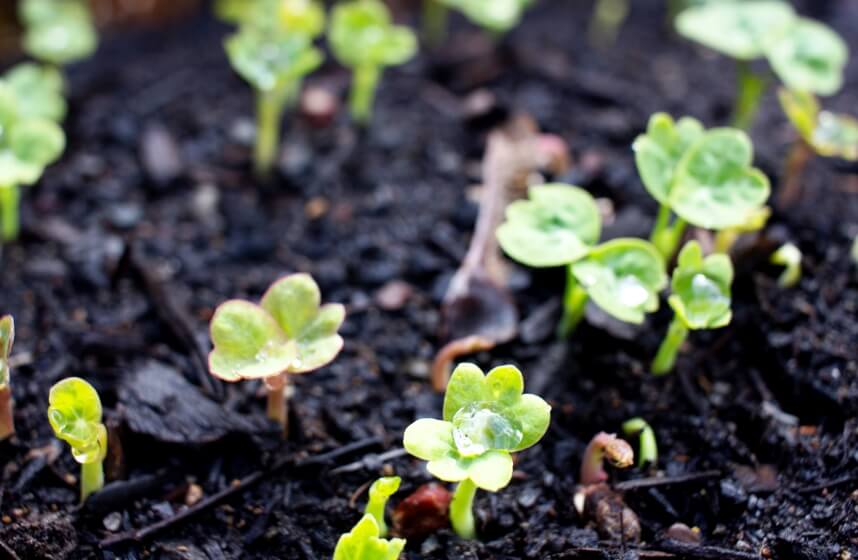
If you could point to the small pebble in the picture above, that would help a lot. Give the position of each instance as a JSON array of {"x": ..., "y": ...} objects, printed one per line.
[{"x": 112, "y": 521}]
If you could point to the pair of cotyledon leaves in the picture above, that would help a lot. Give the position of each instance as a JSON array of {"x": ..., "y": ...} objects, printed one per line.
[
  {"x": 830, "y": 134},
  {"x": 58, "y": 31},
  {"x": 362, "y": 33},
  {"x": 560, "y": 225},
  {"x": 288, "y": 332},
  {"x": 485, "y": 418},
  {"x": 805, "y": 54},
  {"x": 74, "y": 412},
  {"x": 700, "y": 288}
]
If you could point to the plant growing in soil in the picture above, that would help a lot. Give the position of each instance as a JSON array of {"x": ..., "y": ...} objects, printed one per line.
[
  {"x": 363, "y": 37},
  {"x": 704, "y": 177},
  {"x": 380, "y": 491},
  {"x": 647, "y": 447},
  {"x": 288, "y": 333},
  {"x": 789, "y": 257},
  {"x": 364, "y": 542},
  {"x": 604, "y": 447},
  {"x": 486, "y": 418},
  {"x": 805, "y": 54},
  {"x": 273, "y": 53},
  {"x": 28, "y": 144},
  {"x": 58, "y": 32},
  {"x": 700, "y": 299},
  {"x": 38, "y": 90},
  {"x": 558, "y": 226},
  {"x": 7, "y": 338},
  {"x": 74, "y": 413}
]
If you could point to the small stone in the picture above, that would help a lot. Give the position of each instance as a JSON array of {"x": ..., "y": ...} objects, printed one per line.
[
  {"x": 193, "y": 495},
  {"x": 160, "y": 155},
  {"x": 125, "y": 215},
  {"x": 683, "y": 533},
  {"x": 112, "y": 521},
  {"x": 316, "y": 207},
  {"x": 319, "y": 106},
  {"x": 393, "y": 295},
  {"x": 423, "y": 512}
]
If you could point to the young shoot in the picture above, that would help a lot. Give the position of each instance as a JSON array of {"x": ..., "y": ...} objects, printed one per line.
[
  {"x": 704, "y": 177},
  {"x": 58, "y": 32},
  {"x": 789, "y": 257},
  {"x": 804, "y": 54},
  {"x": 74, "y": 413},
  {"x": 288, "y": 333},
  {"x": 7, "y": 338},
  {"x": 274, "y": 56},
  {"x": 558, "y": 226},
  {"x": 647, "y": 448},
  {"x": 364, "y": 542},
  {"x": 700, "y": 298},
  {"x": 28, "y": 144},
  {"x": 381, "y": 491},
  {"x": 604, "y": 447},
  {"x": 486, "y": 418},
  {"x": 363, "y": 38}
]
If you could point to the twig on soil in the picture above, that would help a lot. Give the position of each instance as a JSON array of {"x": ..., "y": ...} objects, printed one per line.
[
  {"x": 667, "y": 550},
  {"x": 830, "y": 484},
  {"x": 7, "y": 553},
  {"x": 657, "y": 481},
  {"x": 370, "y": 461},
  {"x": 245, "y": 483}
]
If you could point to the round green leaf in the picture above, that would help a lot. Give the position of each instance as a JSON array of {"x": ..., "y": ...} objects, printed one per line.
[
  {"x": 37, "y": 141},
  {"x": 659, "y": 151},
  {"x": 39, "y": 91},
  {"x": 268, "y": 56},
  {"x": 534, "y": 417},
  {"x": 362, "y": 34},
  {"x": 555, "y": 227},
  {"x": 74, "y": 413},
  {"x": 738, "y": 29},
  {"x": 836, "y": 135},
  {"x": 623, "y": 277},
  {"x": 58, "y": 31},
  {"x": 429, "y": 439},
  {"x": 715, "y": 186},
  {"x": 810, "y": 57},
  {"x": 302, "y": 16},
  {"x": 701, "y": 288},
  {"x": 491, "y": 471}
]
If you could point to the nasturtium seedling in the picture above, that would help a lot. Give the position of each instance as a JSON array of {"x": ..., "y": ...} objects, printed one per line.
[
  {"x": 647, "y": 449},
  {"x": 380, "y": 491},
  {"x": 289, "y": 332},
  {"x": 486, "y": 418},
  {"x": 38, "y": 90},
  {"x": 700, "y": 298},
  {"x": 789, "y": 257},
  {"x": 58, "y": 32},
  {"x": 7, "y": 338},
  {"x": 829, "y": 134},
  {"x": 364, "y": 542},
  {"x": 705, "y": 177},
  {"x": 74, "y": 413},
  {"x": 363, "y": 37}
]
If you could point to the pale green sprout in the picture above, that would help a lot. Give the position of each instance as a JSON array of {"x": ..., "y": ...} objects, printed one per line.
[
  {"x": 364, "y": 542},
  {"x": 74, "y": 413},
  {"x": 829, "y": 134},
  {"x": 789, "y": 257},
  {"x": 288, "y": 333},
  {"x": 363, "y": 37},
  {"x": 7, "y": 338},
  {"x": 559, "y": 225},
  {"x": 380, "y": 491},
  {"x": 38, "y": 90},
  {"x": 700, "y": 298},
  {"x": 647, "y": 447},
  {"x": 704, "y": 177},
  {"x": 58, "y": 32},
  {"x": 486, "y": 418}
]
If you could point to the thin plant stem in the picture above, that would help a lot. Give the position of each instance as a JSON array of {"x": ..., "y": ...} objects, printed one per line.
[
  {"x": 269, "y": 110},
  {"x": 91, "y": 479},
  {"x": 434, "y": 22},
  {"x": 462, "y": 509},
  {"x": 363, "y": 93},
  {"x": 574, "y": 304},
  {"x": 10, "y": 199},
  {"x": 666, "y": 236},
  {"x": 667, "y": 352},
  {"x": 751, "y": 88},
  {"x": 278, "y": 407},
  {"x": 7, "y": 419}
]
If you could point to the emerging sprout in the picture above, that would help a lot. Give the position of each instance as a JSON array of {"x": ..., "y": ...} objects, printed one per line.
[
  {"x": 287, "y": 333},
  {"x": 58, "y": 32},
  {"x": 788, "y": 256},
  {"x": 700, "y": 299},
  {"x": 363, "y": 38},
  {"x": 274, "y": 55},
  {"x": 380, "y": 491},
  {"x": 558, "y": 226},
  {"x": 648, "y": 450},
  {"x": 7, "y": 338},
  {"x": 28, "y": 144},
  {"x": 74, "y": 413},
  {"x": 704, "y": 177},
  {"x": 486, "y": 418},
  {"x": 805, "y": 54},
  {"x": 604, "y": 447},
  {"x": 364, "y": 543}
]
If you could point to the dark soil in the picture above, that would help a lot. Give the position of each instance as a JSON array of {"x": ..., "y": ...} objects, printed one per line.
[{"x": 121, "y": 264}]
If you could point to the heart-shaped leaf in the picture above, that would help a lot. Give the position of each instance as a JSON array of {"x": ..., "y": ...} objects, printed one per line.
[
  {"x": 363, "y": 543},
  {"x": 659, "y": 151},
  {"x": 58, "y": 32},
  {"x": 362, "y": 34},
  {"x": 269, "y": 56},
  {"x": 701, "y": 288},
  {"x": 810, "y": 57},
  {"x": 74, "y": 412}
]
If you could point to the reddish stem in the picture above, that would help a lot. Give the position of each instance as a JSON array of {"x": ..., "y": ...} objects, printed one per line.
[
  {"x": 441, "y": 366},
  {"x": 604, "y": 447},
  {"x": 7, "y": 419},
  {"x": 278, "y": 407}
]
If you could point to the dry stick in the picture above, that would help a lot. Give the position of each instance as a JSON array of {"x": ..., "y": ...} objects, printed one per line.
[{"x": 657, "y": 481}]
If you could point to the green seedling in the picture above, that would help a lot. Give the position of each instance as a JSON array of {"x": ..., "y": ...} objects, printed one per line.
[
  {"x": 7, "y": 338},
  {"x": 74, "y": 413},
  {"x": 363, "y": 37},
  {"x": 38, "y": 90},
  {"x": 805, "y": 54},
  {"x": 28, "y": 144},
  {"x": 274, "y": 57},
  {"x": 364, "y": 542},
  {"x": 558, "y": 226},
  {"x": 647, "y": 449},
  {"x": 288, "y": 333},
  {"x": 380, "y": 491},
  {"x": 486, "y": 418},
  {"x": 789, "y": 257},
  {"x": 700, "y": 298},
  {"x": 604, "y": 447},
  {"x": 58, "y": 32},
  {"x": 726, "y": 238},
  {"x": 704, "y": 177}
]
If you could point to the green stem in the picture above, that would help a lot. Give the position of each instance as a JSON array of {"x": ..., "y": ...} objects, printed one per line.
[
  {"x": 363, "y": 93},
  {"x": 91, "y": 479},
  {"x": 666, "y": 356},
  {"x": 376, "y": 509},
  {"x": 666, "y": 236},
  {"x": 751, "y": 88},
  {"x": 434, "y": 22},
  {"x": 574, "y": 305},
  {"x": 725, "y": 239},
  {"x": 462, "y": 509},
  {"x": 10, "y": 198},
  {"x": 269, "y": 110}
]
